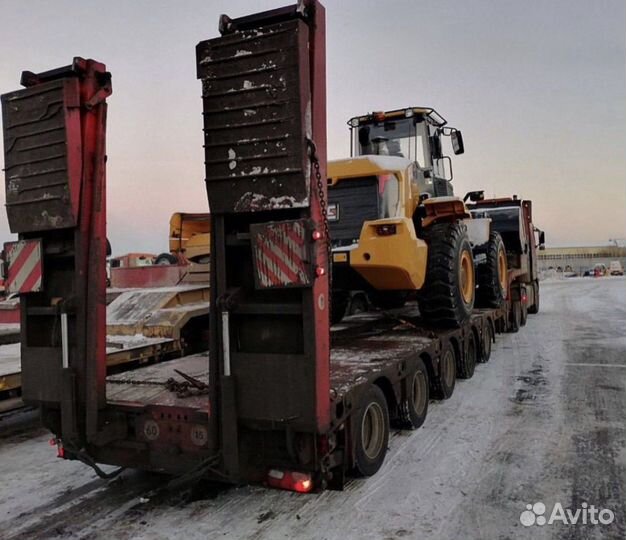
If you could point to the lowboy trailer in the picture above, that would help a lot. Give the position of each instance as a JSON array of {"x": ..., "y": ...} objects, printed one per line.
[{"x": 280, "y": 398}]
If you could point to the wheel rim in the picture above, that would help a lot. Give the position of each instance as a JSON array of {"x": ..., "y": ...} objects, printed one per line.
[
  {"x": 467, "y": 277},
  {"x": 447, "y": 366},
  {"x": 372, "y": 428},
  {"x": 502, "y": 269},
  {"x": 419, "y": 392}
]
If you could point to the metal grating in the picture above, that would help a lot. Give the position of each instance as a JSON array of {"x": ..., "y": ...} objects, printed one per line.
[{"x": 256, "y": 118}]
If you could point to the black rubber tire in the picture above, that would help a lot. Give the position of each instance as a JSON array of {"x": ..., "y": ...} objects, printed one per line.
[
  {"x": 364, "y": 464},
  {"x": 358, "y": 304},
  {"x": 489, "y": 293},
  {"x": 466, "y": 366},
  {"x": 523, "y": 314},
  {"x": 446, "y": 377},
  {"x": 388, "y": 299},
  {"x": 534, "y": 308},
  {"x": 165, "y": 259},
  {"x": 515, "y": 316},
  {"x": 338, "y": 307},
  {"x": 413, "y": 409},
  {"x": 440, "y": 300},
  {"x": 485, "y": 350}
]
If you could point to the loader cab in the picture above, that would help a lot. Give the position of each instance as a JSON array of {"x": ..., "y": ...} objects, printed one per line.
[{"x": 414, "y": 133}]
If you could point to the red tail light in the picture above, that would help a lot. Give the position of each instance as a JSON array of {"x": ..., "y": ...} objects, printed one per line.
[
  {"x": 290, "y": 480},
  {"x": 385, "y": 230}
]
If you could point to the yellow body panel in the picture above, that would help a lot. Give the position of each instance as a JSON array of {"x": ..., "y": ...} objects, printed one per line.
[
  {"x": 394, "y": 262},
  {"x": 397, "y": 261},
  {"x": 190, "y": 234}
]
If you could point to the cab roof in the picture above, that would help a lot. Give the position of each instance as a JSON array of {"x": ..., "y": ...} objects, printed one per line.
[
  {"x": 369, "y": 165},
  {"x": 380, "y": 116}
]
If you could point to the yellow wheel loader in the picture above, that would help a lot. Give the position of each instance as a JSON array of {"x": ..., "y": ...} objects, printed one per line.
[
  {"x": 395, "y": 225},
  {"x": 189, "y": 239}
]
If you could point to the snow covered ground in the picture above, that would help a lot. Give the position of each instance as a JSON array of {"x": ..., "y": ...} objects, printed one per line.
[{"x": 543, "y": 421}]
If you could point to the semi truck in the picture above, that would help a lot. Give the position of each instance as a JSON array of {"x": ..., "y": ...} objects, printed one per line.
[{"x": 279, "y": 398}]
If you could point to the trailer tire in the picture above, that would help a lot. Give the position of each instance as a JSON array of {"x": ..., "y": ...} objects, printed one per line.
[
  {"x": 338, "y": 307},
  {"x": 486, "y": 344},
  {"x": 372, "y": 432},
  {"x": 164, "y": 259},
  {"x": 447, "y": 295},
  {"x": 491, "y": 276},
  {"x": 523, "y": 314},
  {"x": 389, "y": 299},
  {"x": 413, "y": 409},
  {"x": 515, "y": 316},
  {"x": 467, "y": 364},
  {"x": 534, "y": 308},
  {"x": 446, "y": 378}
]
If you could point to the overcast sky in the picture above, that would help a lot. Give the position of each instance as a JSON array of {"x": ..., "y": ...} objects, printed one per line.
[{"x": 537, "y": 87}]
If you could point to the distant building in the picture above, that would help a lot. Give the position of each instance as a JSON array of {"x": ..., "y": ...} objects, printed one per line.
[{"x": 579, "y": 259}]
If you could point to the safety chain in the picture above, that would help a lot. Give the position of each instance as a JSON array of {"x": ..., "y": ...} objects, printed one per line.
[
  {"x": 182, "y": 389},
  {"x": 320, "y": 193}
]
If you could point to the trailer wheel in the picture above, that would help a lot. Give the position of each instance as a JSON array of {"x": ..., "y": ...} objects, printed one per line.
[
  {"x": 487, "y": 341},
  {"x": 492, "y": 275},
  {"x": 414, "y": 408},
  {"x": 467, "y": 364},
  {"x": 515, "y": 316},
  {"x": 447, "y": 295},
  {"x": 523, "y": 313},
  {"x": 372, "y": 432},
  {"x": 165, "y": 259},
  {"x": 534, "y": 308},
  {"x": 446, "y": 378}
]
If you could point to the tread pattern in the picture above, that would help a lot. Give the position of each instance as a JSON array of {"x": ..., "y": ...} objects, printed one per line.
[
  {"x": 489, "y": 293},
  {"x": 439, "y": 299}
]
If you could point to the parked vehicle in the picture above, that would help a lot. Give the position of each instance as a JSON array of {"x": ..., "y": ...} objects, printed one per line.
[{"x": 616, "y": 269}]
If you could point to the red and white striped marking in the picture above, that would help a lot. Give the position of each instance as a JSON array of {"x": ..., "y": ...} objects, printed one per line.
[
  {"x": 24, "y": 267},
  {"x": 281, "y": 254}
]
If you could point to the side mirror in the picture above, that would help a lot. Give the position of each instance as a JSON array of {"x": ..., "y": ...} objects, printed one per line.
[
  {"x": 542, "y": 238},
  {"x": 457, "y": 142}
]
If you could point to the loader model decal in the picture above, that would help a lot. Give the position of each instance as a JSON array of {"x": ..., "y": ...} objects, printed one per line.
[
  {"x": 281, "y": 254},
  {"x": 24, "y": 267}
]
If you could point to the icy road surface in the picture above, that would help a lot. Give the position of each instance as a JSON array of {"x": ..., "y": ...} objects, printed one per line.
[{"x": 543, "y": 421}]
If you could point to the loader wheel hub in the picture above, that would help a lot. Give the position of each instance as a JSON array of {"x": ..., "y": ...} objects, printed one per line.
[
  {"x": 502, "y": 269},
  {"x": 467, "y": 277}
]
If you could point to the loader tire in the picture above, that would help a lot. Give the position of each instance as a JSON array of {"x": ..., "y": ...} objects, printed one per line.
[
  {"x": 491, "y": 276},
  {"x": 372, "y": 432},
  {"x": 447, "y": 296},
  {"x": 534, "y": 308},
  {"x": 338, "y": 307}
]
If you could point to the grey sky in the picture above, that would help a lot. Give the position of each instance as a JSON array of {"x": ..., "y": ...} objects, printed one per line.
[{"x": 538, "y": 88}]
